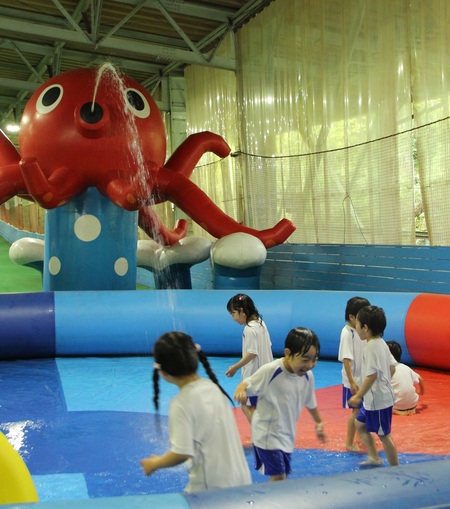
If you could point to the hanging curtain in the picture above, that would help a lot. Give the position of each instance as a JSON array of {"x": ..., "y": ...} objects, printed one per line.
[
  {"x": 331, "y": 103},
  {"x": 430, "y": 94},
  {"x": 325, "y": 80},
  {"x": 211, "y": 106}
]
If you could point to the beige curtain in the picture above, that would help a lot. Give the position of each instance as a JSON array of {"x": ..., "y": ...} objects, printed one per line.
[
  {"x": 330, "y": 102},
  {"x": 331, "y": 80},
  {"x": 430, "y": 92},
  {"x": 211, "y": 106}
]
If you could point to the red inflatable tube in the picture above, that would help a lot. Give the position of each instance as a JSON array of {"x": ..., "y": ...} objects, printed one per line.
[{"x": 427, "y": 330}]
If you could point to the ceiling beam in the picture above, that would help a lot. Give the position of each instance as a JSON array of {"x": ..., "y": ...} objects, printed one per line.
[
  {"x": 84, "y": 57},
  {"x": 141, "y": 48}
]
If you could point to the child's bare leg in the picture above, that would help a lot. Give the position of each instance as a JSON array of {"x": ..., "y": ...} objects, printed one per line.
[
  {"x": 279, "y": 477},
  {"x": 368, "y": 441},
  {"x": 248, "y": 412},
  {"x": 389, "y": 449},
  {"x": 351, "y": 430}
]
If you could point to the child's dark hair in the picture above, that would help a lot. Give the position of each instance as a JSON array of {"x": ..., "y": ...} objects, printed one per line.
[
  {"x": 176, "y": 354},
  {"x": 244, "y": 302},
  {"x": 300, "y": 340},
  {"x": 354, "y": 305},
  {"x": 396, "y": 350},
  {"x": 374, "y": 318}
]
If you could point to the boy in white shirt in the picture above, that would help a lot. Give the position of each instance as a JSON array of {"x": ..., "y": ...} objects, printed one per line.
[
  {"x": 283, "y": 388},
  {"x": 376, "y": 390},
  {"x": 350, "y": 354}
]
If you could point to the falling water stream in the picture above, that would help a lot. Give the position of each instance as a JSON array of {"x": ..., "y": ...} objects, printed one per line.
[{"x": 107, "y": 71}]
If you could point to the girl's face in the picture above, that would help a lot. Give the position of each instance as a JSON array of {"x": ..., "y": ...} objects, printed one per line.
[
  {"x": 298, "y": 363},
  {"x": 239, "y": 316}
]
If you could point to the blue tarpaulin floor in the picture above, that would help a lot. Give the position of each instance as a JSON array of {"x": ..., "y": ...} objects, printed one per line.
[{"x": 82, "y": 425}]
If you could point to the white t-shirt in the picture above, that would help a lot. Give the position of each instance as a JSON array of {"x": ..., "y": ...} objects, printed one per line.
[
  {"x": 281, "y": 398},
  {"x": 256, "y": 340},
  {"x": 202, "y": 425},
  {"x": 403, "y": 382},
  {"x": 351, "y": 347},
  {"x": 377, "y": 359}
]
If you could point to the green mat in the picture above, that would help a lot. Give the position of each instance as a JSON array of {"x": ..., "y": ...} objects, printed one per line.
[{"x": 16, "y": 278}]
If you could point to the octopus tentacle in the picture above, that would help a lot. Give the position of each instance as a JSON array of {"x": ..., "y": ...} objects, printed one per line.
[
  {"x": 8, "y": 152},
  {"x": 154, "y": 228},
  {"x": 51, "y": 192},
  {"x": 197, "y": 205},
  {"x": 188, "y": 154}
]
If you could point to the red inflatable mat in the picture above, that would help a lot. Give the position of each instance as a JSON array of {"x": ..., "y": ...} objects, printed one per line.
[{"x": 426, "y": 432}]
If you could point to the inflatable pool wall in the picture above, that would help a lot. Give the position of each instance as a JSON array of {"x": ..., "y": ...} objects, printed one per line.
[
  {"x": 415, "y": 486},
  {"x": 51, "y": 324}
]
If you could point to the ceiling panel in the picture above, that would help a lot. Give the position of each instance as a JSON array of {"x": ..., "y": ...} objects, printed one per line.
[{"x": 146, "y": 39}]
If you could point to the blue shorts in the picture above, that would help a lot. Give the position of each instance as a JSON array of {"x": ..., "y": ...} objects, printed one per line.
[
  {"x": 376, "y": 421},
  {"x": 251, "y": 401},
  {"x": 346, "y": 395},
  {"x": 272, "y": 462}
]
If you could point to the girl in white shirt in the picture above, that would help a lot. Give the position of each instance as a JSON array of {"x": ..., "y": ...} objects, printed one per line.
[
  {"x": 202, "y": 427},
  {"x": 256, "y": 344}
]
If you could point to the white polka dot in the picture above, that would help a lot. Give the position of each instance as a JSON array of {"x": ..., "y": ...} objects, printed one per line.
[
  {"x": 87, "y": 228},
  {"x": 54, "y": 265},
  {"x": 121, "y": 266}
]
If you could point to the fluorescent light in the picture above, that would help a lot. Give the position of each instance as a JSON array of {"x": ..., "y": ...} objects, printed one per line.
[{"x": 13, "y": 128}]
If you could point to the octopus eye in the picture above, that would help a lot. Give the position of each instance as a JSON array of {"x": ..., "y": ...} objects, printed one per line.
[
  {"x": 49, "y": 99},
  {"x": 137, "y": 103}
]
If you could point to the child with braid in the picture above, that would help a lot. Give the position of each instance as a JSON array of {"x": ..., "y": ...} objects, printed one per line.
[
  {"x": 256, "y": 344},
  {"x": 202, "y": 428}
]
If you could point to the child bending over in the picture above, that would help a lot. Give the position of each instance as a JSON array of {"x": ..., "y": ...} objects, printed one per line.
[{"x": 404, "y": 382}]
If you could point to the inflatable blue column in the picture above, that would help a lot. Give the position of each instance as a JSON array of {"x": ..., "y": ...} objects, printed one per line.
[
  {"x": 171, "y": 265},
  {"x": 237, "y": 262},
  {"x": 90, "y": 244}
]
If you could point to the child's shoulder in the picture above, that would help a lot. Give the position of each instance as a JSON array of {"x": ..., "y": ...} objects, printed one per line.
[
  {"x": 256, "y": 322},
  {"x": 347, "y": 331},
  {"x": 270, "y": 367}
]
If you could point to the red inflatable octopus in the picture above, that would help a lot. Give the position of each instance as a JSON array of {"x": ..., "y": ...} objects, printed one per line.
[{"x": 84, "y": 129}]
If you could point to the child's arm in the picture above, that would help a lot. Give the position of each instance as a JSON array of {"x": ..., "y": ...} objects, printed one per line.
[
  {"x": 355, "y": 400},
  {"x": 348, "y": 371},
  {"x": 169, "y": 459},
  {"x": 421, "y": 385},
  {"x": 319, "y": 423},
  {"x": 248, "y": 357},
  {"x": 240, "y": 394}
]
